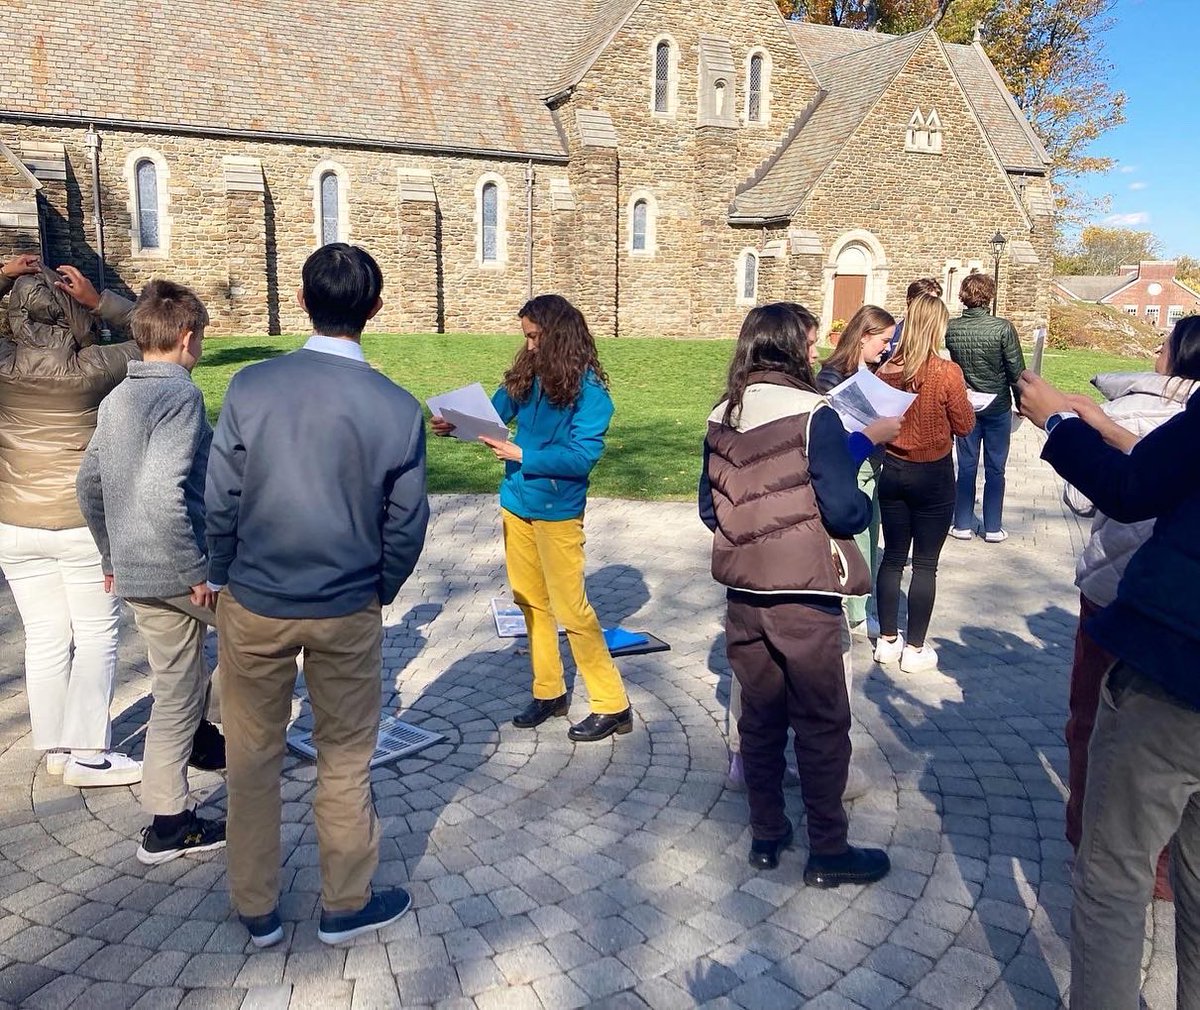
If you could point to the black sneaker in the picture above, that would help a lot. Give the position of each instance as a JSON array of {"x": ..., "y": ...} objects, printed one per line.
[
  {"x": 854, "y": 866},
  {"x": 208, "y": 748},
  {"x": 384, "y": 908},
  {"x": 196, "y": 834},
  {"x": 265, "y": 930}
]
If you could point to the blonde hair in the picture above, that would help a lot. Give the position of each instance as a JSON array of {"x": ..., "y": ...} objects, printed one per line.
[{"x": 923, "y": 333}]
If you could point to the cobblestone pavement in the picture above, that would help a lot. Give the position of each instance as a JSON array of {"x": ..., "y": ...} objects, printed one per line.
[{"x": 546, "y": 874}]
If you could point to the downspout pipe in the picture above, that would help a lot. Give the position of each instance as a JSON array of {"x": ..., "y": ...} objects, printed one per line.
[
  {"x": 529, "y": 229},
  {"x": 91, "y": 140}
]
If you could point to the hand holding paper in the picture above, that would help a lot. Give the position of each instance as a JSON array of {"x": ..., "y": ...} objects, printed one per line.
[
  {"x": 864, "y": 398},
  {"x": 471, "y": 412}
]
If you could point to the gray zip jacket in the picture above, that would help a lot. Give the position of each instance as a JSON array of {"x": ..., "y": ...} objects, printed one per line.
[
  {"x": 141, "y": 483},
  {"x": 1140, "y": 402}
]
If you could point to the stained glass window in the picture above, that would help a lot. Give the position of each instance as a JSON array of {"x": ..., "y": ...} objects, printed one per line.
[{"x": 147, "y": 204}]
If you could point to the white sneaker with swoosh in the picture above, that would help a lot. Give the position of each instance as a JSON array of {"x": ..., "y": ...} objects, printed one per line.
[{"x": 107, "y": 769}]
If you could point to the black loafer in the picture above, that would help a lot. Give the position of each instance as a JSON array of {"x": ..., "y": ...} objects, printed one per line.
[
  {"x": 854, "y": 866},
  {"x": 764, "y": 854},
  {"x": 597, "y": 726},
  {"x": 541, "y": 709}
]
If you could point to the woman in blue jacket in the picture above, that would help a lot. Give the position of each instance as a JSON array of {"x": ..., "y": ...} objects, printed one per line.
[{"x": 557, "y": 391}]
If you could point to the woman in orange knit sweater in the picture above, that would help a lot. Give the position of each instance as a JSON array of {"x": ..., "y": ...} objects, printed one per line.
[{"x": 916, "y": 490}]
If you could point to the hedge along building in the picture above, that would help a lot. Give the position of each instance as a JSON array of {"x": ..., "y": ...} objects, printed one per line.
[{"x": 664, "y": 165}]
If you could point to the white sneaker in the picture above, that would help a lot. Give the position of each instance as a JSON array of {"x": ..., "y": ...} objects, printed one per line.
[
  {"x": 996, "y": 538},
  {"x": 888, "y": 652},
  {"x": 107, "y": 769},
  {"x": 962, "y": 534},
  {"x": 918, "y": 660},
  {"x": 56, "y": 761}
]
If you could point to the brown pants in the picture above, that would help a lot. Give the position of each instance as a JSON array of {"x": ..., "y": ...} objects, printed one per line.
[
  {"x": 787, "y": 657},
  {"x": 342, "y": 662}
]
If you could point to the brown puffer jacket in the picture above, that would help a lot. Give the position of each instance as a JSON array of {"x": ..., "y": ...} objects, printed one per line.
[
  {"x": 53, "y": 376},
  {"x": 770, "y": 536}
]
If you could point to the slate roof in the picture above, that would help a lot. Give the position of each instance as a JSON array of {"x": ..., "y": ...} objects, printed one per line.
[
  {"x": 1093, "y": 288},
  {"x": 851, "y": 84},
  {"x": 458, "y": 74},
  {"x": 854, "y": 69}
]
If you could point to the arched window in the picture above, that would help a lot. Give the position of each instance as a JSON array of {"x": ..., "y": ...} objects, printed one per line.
[
  {"x": 754, "y": 89},
  {"x": 330, "y": 199},
  {"x": 747, "y": 278},
  {"x": 147, "y": 179},
  {"x": 490, "y": 220},
  {"x": 146, "y": 174},
  {"x": 641, "y": 211},
  {"x": 662, "y": 77},
  {"x": 720, "y": 98}
]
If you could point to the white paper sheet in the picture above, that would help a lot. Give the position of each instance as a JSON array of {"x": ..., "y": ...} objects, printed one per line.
[
  {"x": 864, "y": 398},
  {"x": 471, "y": 412},
  {"x": 980, "y": 401}
]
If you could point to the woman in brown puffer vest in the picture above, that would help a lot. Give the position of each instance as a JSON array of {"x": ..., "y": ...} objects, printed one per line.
[
  {"x": 53, "y": 376},
  {"x": 780, "y": 492}
]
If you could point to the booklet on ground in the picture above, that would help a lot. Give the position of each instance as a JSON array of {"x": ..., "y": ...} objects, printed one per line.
[
  {"x": 864, "y": 398},
  {"x": 471, "y": 412},
  {"x": 510, "y": 623}
]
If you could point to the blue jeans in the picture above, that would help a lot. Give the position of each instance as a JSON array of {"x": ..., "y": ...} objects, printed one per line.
[{"x": 994, "y": 432}]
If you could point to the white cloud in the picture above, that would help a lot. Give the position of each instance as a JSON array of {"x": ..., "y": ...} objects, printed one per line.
[
  {"x": 1138, "y": 185},
  {"x": 1127, "y": 169},
  {"x": 1127, "y": 220}
]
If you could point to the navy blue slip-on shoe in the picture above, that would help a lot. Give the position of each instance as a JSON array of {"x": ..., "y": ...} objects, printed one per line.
[
  {"x": 384, "y": 908},
  {"x": 265, "y": 930}
]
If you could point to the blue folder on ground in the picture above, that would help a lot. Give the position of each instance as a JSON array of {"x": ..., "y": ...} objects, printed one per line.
[{"x": 619, "y": 638}]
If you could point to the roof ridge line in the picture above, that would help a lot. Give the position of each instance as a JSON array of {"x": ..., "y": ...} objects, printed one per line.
[{"x": 785, "y": 142}]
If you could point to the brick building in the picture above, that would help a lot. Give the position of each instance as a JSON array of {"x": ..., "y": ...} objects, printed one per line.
[
  {"x": 663, "y": 164},
  {"x": 1147, "y": 290}
]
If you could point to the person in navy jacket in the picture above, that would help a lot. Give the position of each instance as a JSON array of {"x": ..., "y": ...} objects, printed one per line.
[
  {"x": 557, "y": 392},
  {"x": 1144, "y": 765}
]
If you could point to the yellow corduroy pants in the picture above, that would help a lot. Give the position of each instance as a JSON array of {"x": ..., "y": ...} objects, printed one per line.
[{"x": 545, "y": 571}]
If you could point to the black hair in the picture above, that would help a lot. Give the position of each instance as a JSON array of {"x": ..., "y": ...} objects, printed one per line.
[
  {"x": 774, "y": 338},
  {"x": 1184, "y": 353},
  {"x": 341, "y": 286}
]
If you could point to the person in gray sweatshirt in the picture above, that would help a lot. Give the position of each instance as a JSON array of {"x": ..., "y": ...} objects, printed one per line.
[{"x": 141, "y": 490}]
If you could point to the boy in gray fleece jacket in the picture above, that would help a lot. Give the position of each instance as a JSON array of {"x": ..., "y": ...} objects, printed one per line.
[{"x": 141, "y": 490}]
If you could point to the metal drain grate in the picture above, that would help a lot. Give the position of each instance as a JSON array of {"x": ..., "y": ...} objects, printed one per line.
[{"x": 397, "y": 739}]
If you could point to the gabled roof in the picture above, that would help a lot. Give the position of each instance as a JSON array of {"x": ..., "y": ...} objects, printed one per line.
[
  {"x": 595, "y": 25},
  {"x": 850, "y": 87},
  {"x": 1007, "y": 127},
  {"x": 462, "y": 75},
  {"x": 1093, "y": 288}
]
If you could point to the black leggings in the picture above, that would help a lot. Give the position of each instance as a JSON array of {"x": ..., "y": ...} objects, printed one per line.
[{"x": 916, "y": 507}]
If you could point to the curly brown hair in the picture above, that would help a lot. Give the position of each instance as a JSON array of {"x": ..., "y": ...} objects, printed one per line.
[{"x": 566, "y": 352}]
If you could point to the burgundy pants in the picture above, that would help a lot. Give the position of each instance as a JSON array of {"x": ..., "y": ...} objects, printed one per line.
[
  {"x": 787, "y": 657},
  {"x": 1090, "y": 667}
]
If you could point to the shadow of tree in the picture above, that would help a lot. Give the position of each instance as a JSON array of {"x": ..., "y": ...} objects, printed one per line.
[{"x": 244, "y": 354}]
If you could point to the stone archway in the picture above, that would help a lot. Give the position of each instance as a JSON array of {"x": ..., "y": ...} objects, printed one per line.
[{"x": 854, "y": 275}]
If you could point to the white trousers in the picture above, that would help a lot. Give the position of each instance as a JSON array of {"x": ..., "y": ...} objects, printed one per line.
[{"x": 70, "y": 634}]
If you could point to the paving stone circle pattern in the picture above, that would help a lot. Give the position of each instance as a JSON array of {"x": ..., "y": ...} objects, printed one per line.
[{"x": 548, "y": 874}]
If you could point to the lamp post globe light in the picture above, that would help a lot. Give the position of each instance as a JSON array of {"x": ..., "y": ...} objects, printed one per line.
[{"x": 998, "y": 244}]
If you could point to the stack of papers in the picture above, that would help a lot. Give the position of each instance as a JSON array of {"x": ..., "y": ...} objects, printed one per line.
[
  {"x": 864, "y": 398},
  {"x": 471, "y": 412},
  {"x": 980, "y": 401}
]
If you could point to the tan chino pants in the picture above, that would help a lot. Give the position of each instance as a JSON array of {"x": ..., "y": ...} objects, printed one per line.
[{"x": 342, "y": 663}]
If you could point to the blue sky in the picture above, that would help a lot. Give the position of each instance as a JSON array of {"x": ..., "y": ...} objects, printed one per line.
[{"x": 1153, "y": 186}]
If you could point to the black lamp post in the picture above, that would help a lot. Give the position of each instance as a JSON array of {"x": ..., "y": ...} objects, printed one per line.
[{"x": 998, "y": 244}]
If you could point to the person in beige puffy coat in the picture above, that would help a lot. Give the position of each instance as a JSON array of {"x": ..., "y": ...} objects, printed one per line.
[{"x": 53, "y": 375}]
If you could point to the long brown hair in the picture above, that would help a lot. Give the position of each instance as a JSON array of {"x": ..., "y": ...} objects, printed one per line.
[
  {"x": 868, "y": 320},
  {"x": 566, "y": 352},
  {"x": 923, "y": 333},
  {"x": 773, "y": 338}
]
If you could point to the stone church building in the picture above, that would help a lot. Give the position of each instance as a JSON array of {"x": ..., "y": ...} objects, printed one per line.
[{"x": 665, "y": 165}]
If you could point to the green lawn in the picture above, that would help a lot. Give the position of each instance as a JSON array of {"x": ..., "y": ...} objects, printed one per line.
[{"x": 663, "y": 391}]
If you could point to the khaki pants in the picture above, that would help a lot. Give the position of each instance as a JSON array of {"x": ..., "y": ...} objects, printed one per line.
[
  {"x": 545, "y": 569},
  {"x": 173, "y": 630},
  {"x": 342, "y": 663},
  {"x": 1143, "y": 787}
]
